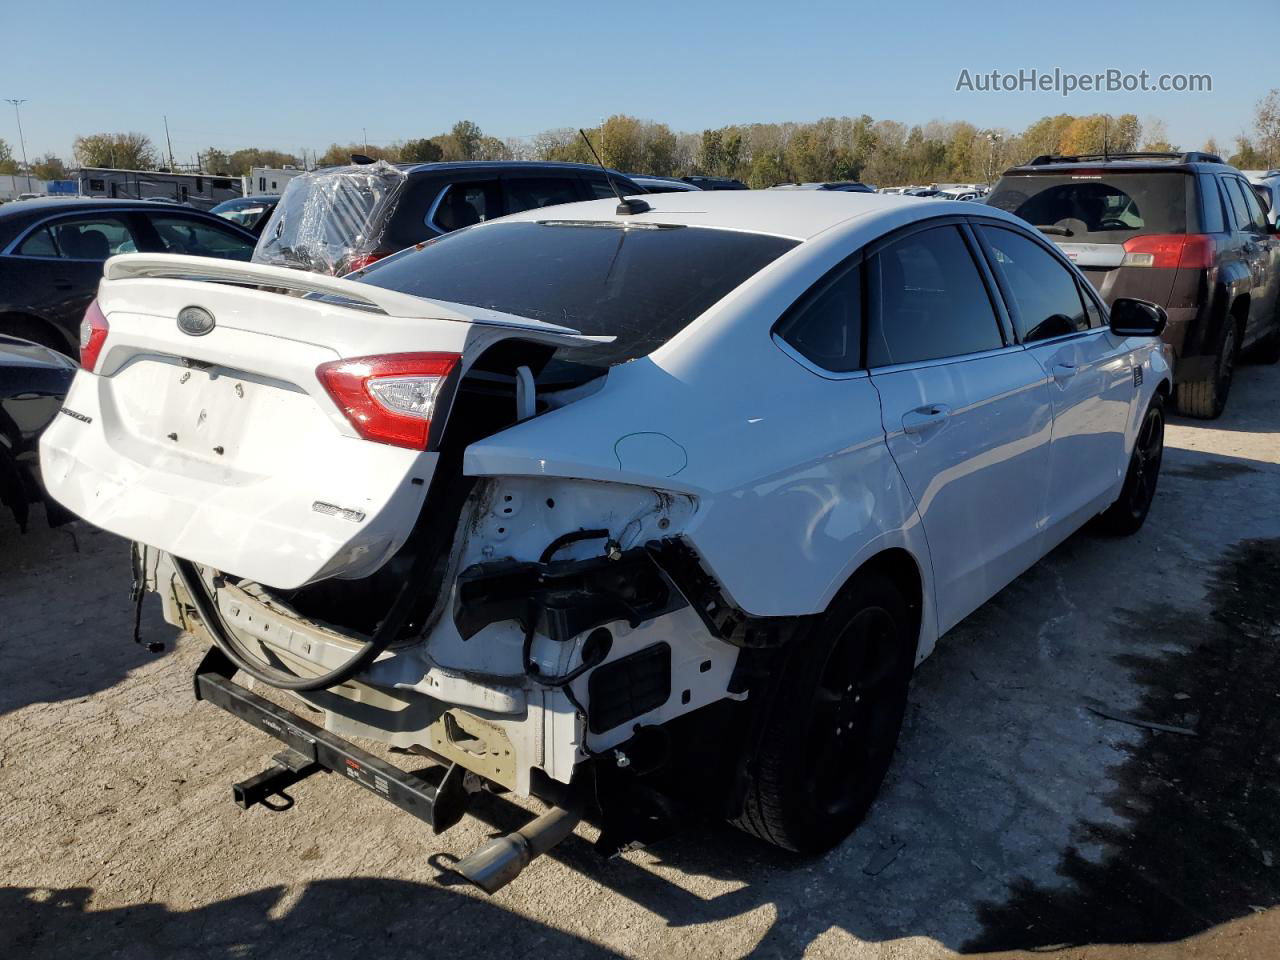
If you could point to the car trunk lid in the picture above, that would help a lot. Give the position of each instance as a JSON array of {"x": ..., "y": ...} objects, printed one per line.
[{"x": 225, "y": 447}]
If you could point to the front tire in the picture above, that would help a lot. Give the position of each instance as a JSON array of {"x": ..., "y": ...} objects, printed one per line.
[
  {"x": 834, "y": 714},
  {"x": 1127, "y": 515}
]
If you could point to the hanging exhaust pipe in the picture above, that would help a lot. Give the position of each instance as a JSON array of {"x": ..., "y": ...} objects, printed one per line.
[{"x": 503, "y": 859}]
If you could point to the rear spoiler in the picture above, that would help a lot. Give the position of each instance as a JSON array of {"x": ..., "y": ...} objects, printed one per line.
[{"x": 393, "y": 303}]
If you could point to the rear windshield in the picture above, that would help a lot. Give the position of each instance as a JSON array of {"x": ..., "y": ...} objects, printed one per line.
[
  {"x": 642, "y": 285},
  {"x": 1097, "y": 206}
]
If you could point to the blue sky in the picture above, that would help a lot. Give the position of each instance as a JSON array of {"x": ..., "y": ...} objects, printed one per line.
[{"x": 306, "y": 75}]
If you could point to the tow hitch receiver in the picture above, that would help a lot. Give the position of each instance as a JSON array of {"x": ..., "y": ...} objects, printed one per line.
[
  {"x": 290, "y": 767},
  {"x": 312, "y": 749}
]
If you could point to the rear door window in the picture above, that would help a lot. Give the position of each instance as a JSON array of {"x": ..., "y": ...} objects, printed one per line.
[
  {"x": 1257, "y": 216},
  {"x": 1046, "y": 299},
  {"x": 198, "y": 238},
  {"x": 464, "y": 204},
  {"x": 529, "y": 193},
  {"x": 928, "y": 301},
  {"x": 87, "y": 238},
  {"x": 1099, "y": 207}
]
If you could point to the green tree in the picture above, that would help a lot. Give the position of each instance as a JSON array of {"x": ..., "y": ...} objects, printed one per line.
[
  {"x": 240, "y": 161},
  {"x": 339, "y": 155},
  {"x": 420, "y": 151},
  {"x": 767, "y": 170},
  {"x": 7, "y": 164},
  {"x": 1266, "y": 126},
  {"x": 124, "y": 151},
  {"x": 660, "y": 151},
  {"x": 217, "y": 161},
  {"x": 623, "y": 143},
  {"x": 462, "y": 142},
  {"x": 49, "y": 167}
]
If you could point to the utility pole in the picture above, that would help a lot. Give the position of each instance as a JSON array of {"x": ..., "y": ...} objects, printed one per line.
[
  {"x": 365, "y": 131},
  {"x": 168, "y": 143},
  {"x": 21, "y": 140}
]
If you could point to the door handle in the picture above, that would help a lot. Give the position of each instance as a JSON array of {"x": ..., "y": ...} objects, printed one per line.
[
  {"x": 922, "y": 419},
  {"x": 1063, "y": 371}
]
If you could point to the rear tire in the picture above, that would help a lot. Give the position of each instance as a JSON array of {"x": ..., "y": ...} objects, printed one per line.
[
  {"x": 1207, "y": 398},
  {"x": 1127, "y": 515},
  {"x": 834, "y": 714}
]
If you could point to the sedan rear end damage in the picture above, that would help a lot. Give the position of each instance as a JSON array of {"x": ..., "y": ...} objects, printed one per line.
[{"x": 534, "y": 668}]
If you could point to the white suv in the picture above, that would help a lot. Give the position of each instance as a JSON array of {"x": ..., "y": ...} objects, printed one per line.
[{"x": 659, "y": 505}]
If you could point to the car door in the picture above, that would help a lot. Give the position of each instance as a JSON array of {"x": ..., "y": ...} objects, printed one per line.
[
  {"x": 1089, "y": 371},
  {"x": 1263, "y": 253},
  {"x": 966, "y": 412},
  {"x": 67, "y": 253}
]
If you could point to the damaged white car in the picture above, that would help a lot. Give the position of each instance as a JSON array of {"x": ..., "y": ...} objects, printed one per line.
[{"x": 646, "y": 510}]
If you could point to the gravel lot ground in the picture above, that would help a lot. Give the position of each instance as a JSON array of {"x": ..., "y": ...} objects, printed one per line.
[{"x": 1020, "y": 813}]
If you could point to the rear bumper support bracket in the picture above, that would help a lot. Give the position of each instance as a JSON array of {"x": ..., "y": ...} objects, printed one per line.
[{"x": 312, "y": 749}]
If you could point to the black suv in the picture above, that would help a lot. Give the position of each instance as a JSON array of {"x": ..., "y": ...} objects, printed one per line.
[
  {"x": 52, "y": 251},
  {"x": 1184, "y": 230},
  {"x": 340, "y": 219}
]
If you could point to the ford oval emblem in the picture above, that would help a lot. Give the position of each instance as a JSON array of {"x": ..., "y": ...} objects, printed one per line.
[{"x": 195, "y": 321}]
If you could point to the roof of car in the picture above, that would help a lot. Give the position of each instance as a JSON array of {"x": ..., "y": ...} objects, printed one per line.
[
  {"x": 51, "y": 204},
  {"x": 798, "y": 215},
  {"x": 1127, "y": 162},
  {"x": 503, "y": 164}
]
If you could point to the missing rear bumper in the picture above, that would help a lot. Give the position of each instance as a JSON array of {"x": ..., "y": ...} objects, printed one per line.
[{"x": 313, "y": 750}]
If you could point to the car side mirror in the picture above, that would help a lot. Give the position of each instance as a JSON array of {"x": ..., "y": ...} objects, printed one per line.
[{"x": 1137, "y": 318}]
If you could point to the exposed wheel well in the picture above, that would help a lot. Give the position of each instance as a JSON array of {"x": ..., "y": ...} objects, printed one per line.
[
  {"x": 34, "y": 328},
  {"x": 900, "y": 567}
]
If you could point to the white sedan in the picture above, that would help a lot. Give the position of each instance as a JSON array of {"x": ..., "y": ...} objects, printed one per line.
[{"x": 660, "y": 501}]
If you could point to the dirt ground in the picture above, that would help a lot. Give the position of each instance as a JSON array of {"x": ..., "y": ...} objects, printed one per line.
[{"x": 1028, "y": 808}]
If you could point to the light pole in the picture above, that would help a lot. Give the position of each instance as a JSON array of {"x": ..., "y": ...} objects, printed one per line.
[{"x": 21, "y": 140}]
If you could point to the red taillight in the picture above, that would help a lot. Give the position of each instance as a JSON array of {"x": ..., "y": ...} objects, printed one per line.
[
  {"x": 361, "y": 260},
  {"x": 390, "y": 398},
  {"x": 93, "y": 333},
  {"x": 1170, "y": 251}
]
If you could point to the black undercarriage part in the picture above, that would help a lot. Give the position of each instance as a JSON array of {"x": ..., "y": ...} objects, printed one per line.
[
  {"x": 563, "y": 599},
  {"x": 312, "y": 749}
]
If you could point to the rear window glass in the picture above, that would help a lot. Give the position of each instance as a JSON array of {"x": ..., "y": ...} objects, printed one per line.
[
  {"x": 1097, "y": 207},
  {"x": 640, "y": 285}
]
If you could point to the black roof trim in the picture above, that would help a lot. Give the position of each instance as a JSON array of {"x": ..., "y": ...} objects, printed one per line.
[{"x": 1189, "y": 156}]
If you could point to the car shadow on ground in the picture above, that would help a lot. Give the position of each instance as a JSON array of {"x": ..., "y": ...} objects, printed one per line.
[
  {"x": 328, "y": 918},
  {"x": 57, "y": 636}
]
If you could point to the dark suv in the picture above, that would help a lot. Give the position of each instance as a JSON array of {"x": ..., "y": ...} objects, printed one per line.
[
  {"x": 339, "y": 219},
  {"x": 1184, "y": 230}
]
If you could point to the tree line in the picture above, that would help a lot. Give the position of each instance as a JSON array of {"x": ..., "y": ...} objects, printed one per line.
[{"x": 883, "y": 152}]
